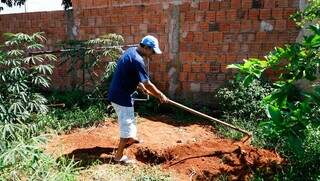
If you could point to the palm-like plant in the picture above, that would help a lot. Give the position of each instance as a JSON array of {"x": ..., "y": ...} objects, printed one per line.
[
  {"x": 21, "y": 75},
  {"x": 109, "y": 47}
]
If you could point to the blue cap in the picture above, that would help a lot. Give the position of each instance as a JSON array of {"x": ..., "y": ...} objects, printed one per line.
[{"x": 151, "y": 42}]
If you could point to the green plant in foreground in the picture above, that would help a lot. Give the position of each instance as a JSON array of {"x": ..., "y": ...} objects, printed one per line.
[
  {"x": 21, "y": 75},
  {"x": 293, "y": 112}
]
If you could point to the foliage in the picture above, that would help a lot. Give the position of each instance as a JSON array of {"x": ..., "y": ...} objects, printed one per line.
[
  {"x": 71, "y": 98},
  {"x": 89, "y": 56},
  {"x": 64, "y": 120},
  {"x": 293, "y": 112},
  {"x": 22, "y": 155},
  {"x": 288, "y": 108},
  {"x": 310, "y": 13},
  {"x": 21, "y": 75},
  {"x": 105, "y": 47},
  {"x": 244, "y": 102}
]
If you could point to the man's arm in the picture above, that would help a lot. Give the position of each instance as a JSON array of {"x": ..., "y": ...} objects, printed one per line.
[{"x": 149, "y": 88}]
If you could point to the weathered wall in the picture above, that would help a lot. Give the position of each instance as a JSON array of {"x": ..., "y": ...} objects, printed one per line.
[{"x": 198, "y": 38}]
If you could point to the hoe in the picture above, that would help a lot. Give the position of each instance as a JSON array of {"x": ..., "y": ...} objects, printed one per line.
[{"x": 245, "y": 139}]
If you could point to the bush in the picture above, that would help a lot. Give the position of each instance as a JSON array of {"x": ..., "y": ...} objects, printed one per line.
[
  {"x": 238, "y": 101},
  {"x": 21, "y": 75}
]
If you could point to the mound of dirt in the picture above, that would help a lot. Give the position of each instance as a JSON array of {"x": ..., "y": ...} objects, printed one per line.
[{"x": 193, "y": 151}]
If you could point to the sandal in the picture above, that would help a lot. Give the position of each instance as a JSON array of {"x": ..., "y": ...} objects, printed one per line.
[{"x": 125, "y": 160}]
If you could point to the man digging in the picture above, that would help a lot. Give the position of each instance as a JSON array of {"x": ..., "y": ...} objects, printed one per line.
[{"x": 131, "y": 74}]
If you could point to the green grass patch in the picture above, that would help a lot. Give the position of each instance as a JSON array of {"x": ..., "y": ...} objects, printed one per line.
[{"x": 119, "y": 172}]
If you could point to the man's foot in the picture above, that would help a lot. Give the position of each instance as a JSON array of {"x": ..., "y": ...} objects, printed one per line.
[
  {"x": 132, "y": 141},
  {"x": 124, "y": 160}
]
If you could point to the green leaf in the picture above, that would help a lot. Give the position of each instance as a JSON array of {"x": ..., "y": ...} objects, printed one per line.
[
  {"x": 248, "y": 80},
  {"x": 234, "y": 66},
  {"x": 274, "y": 113}
]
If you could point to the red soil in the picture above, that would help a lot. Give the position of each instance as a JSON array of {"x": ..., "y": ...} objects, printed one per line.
[{"x": 192, "y": 151}]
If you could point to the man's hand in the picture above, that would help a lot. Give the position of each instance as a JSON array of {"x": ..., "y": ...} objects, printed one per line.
[
  {"x": 142, "y": 88},
  {"x": 163, "y": 98},
  {"x": 154, "y": 91}
]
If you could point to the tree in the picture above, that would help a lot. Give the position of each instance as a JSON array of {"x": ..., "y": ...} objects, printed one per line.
[{"x": 66, "y": 3}]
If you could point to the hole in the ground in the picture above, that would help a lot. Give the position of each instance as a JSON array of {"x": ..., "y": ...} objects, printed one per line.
[{"x": 146, "y": 155}]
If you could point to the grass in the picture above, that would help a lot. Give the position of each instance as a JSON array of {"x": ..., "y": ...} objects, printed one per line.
[
  {"x": 22, "y": 156},
  {"x": 119, "y": 172}
]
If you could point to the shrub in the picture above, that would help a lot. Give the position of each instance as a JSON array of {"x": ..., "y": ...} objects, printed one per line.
[
  {"x": 243, "y": 102},
  {"x": 21, "y": 75}
]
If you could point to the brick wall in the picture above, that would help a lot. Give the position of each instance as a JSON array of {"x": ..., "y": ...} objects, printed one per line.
[{"x": 198, "y": 38}]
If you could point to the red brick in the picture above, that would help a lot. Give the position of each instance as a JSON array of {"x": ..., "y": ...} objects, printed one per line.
[
  {"x": 199, "y": 16},
  {"x": 195, "y": 67},
  {"x": 186, "y": 68},
  {"x": 269, "y": 4},
  {"x": 277, "y": 13},
  {"x": 189, "y": 37},
  {"x": 204, "y": 6},
  {"x": 205, "y": 67},
  {"x": 291, "y": 25},
  {"x": 214, "y": 6},
  {"x": 256, "y": 25},
  {"x": 185, "y": 7},
  {"x": 235, "y": 27},
  {"x": 201, "y": 76},
  {"x": 253, "y": 14},
  {"x": 183, "y": 76},
  {"x": 254, "y": 47},
  {"x": 261, "y": 36},
  {"x": 204, "y": 47},
  {"x": 152, "y": 28},
  {"x": 293, "y": 3},
  {"x": 197, "y": 36},
  {"x": 218, "y": 37},
  {"x": 246, "y": 4},
  {"x": 231, "y": 59},
  {"x": 288, "y": 12},
  {"x": 265, "y": 14},
  {"x": 234, "y": 47},
  {"x": 220, "y": 16},
  {"x": 224, "y": 27},
  {"x": 281, "y": 3},
  {"x": 189, "y": 16},
  {"x": 281, "y": 25},
  {"x": 226, "y": 5},
  {"x": 210, "y": 16},
  {"x": 192, "y": 76},
  {"x": 246, "y": 26},
  {"x": 231, "y": 15},
  {"x": 235, "y": 4},
  {"x": 213, "y": 47}
]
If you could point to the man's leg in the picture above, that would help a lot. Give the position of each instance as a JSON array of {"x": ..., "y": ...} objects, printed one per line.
[
  {"x": 127, "y": 125},
  {"x": 121, "y": 147}
]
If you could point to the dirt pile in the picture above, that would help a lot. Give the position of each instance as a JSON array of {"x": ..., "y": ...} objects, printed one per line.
[{"x": 192, "y": 151}]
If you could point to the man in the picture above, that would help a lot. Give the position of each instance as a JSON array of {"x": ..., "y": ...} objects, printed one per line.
[{"x": 131, "y": 74}]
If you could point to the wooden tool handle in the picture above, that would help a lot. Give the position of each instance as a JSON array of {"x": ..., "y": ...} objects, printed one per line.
[{"x": 208, "y": 117}]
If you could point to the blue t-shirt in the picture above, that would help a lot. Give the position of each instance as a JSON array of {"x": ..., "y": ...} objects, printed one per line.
[{"x": 129, "y": 72}]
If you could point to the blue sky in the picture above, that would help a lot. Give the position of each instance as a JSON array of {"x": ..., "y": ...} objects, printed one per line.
[{"x": 34, "y": 6}]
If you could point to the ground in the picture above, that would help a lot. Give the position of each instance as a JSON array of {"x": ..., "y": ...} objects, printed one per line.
[{"x": 189, "y": 150}]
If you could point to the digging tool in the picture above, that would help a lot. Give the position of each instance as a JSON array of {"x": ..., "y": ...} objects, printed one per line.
[{"x": 245, "y": 139}]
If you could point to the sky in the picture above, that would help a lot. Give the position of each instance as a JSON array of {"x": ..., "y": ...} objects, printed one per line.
[{"x": 33, "y": 6}]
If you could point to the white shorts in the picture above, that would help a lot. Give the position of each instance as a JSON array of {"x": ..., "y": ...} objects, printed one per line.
[{"x": 126, "y": 120}]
